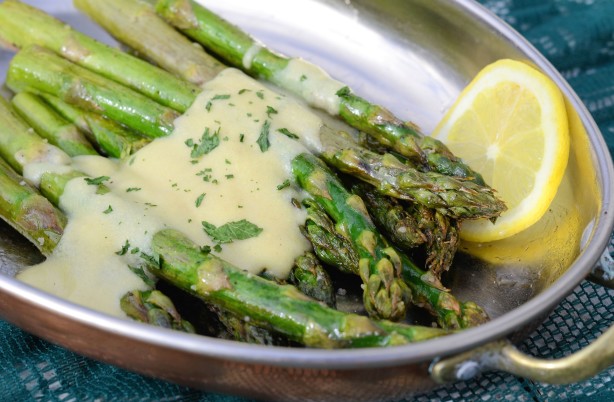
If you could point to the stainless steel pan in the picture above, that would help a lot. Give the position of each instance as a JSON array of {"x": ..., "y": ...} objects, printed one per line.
[{"x": 413, "y": 56}]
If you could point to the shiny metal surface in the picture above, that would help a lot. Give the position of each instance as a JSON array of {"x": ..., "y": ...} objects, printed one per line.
[{"x": 414, "y": 57}]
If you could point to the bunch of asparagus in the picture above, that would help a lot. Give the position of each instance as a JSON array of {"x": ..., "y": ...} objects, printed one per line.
[{"x": 85, "y": 97}]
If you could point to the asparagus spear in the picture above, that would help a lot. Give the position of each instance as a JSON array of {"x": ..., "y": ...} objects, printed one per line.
[
  {"x": 38, "y": 70},
  {"x": 456, "y": 197},
  {"x": 311, "y": 279},
  {"x": 330, "y": 245},
  {"x": 22, "y": 25},
  {"x": 112, "y": 139},
  {"x": 136, "y": 24},
  {"x": 240, "y": 50},
  {"x": 402, "y": 227},
  {"x": 19, "y": 144},
  {"x": 154, "y": 307},
  {"x": 283, "y": 308},
  {"x": 48, "y": 124},
  {"x": 385, "y": 294},
  {"x": 411, "y": 225},
  {"x": 28, "y": 211},
  {"x": 380, "y": 265}
]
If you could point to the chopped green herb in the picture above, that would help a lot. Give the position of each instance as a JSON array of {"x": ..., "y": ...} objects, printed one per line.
[
  {"x": 241, "y": 137},
  {"x": 260, "y": 94},
  {"x": 124, "y": 248},
  {"x": 205, "y": 249},
  {"x": 242, "y": 91},
  {"x": 217, "y": 248},
  {"x": 208, "y": 142},
  {"x": 284, "y": 185},
  {"x": 189, "y": 142},
  {"x": 227, "y": 162},
  {"x": 270, "y": 110},
  {"x": 345, "y": 91},
  {"x": 303, "y": 78},
  {"x": 231, "y": 231},
  {"x": 97, "y": 180},
  {"x": 263, "y": 139},
  {"x": 140, "y": 272},
  {"x": 288, "y": 133},
  {"x": 108, "y": 210},
  {"x": 216, "y": 97},
  {"x": 134, "y": 250},
  {"x": 230, "y": 176},
  {"x": 131, "y": 189},
  {"x": 199, "y": 200},
  {"x": 150, "y": 259}
]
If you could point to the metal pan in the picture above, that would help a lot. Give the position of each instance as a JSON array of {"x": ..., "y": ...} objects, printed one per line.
[{"x": 413, "y": 56}]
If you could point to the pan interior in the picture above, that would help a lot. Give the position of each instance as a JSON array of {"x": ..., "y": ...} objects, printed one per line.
[{"x": 413, "y": 57}]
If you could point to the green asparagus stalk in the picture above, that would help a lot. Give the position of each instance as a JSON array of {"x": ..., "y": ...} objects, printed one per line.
[
  {"x": 381, "y": 266},
  {"x": 385, "y": 294},
  {"x": 456, "y": 197},
  {"x": 38, "y": 70},
  {"x": 22, "y": 25},
  {"x": 283, "y": 308},
  {"x": 233, "y": 46},
  {"x": 28, "y": 211},
  {"x": 330, "y": 245},
  {"x": 310, "y": 277},
  {"x": 48, "y": 124},
  {"x": 402, "y": 228},
  {"x": 411, "y": 225},
  {"x": 111, "y": 138},
  {"x": 442, "y": 235},
  {"x": 155, "y": 308},
  {"x": 136, "y": 24}
]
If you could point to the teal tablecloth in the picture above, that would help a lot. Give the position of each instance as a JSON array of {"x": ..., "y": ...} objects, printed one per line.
[{"x": 577, "y": 36}]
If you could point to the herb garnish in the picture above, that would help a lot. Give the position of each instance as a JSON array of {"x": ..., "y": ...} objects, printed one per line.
[
  {"x": 208, "y": 142},
  {"x": 216, "y": 97},
  {"x": 263, "y": 139},
  {"x": 140, "y": 272},
  {"x": 288, "y": 133},
  {"x": 96, "y": 181},
  {"x": 231, "y": 231},
  {"x": 270, "y": 110},
  {"x": 199, "y": 200},
  {"x": 108, "y": 210},
  {"x": 284, "y": 185}
]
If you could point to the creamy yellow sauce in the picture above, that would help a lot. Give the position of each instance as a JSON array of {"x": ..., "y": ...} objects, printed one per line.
[
  {"x": 178, "y": 182},
  {"x": 311, "y": 83}
]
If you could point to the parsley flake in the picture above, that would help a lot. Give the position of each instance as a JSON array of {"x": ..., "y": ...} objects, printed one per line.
[
  {"x": 284, "y": 185},
  {"x": 288, "y": 133},
  {"x": 124, "y": 248},
  {"x": 108, "y": 210},
  {"x": 263, "y": 139},
  {"x": 208, "y": 142},
  {"x": 96, "y": 181},
  {"x": 200, "y": 199},
  {"x": 231, "y": 231},
  {"x": 270, "y": 110}
]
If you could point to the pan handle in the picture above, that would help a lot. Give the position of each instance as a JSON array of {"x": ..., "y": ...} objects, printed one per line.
[{"x": 503, "y": 355}]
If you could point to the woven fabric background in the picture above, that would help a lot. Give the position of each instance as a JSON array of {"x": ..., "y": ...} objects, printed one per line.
[{"x": 577, "y": 36}]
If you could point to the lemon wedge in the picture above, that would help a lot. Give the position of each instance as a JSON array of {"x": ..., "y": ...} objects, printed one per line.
[{"x": 510, "y": 125}]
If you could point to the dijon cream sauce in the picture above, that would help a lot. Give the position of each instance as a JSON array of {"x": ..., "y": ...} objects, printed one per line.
[
  {"x": 311, "y": 83},
  {"x": 168, "y": 183}
]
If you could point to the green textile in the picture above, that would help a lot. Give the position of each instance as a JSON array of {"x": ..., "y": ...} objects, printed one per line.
[{"x": 577, "y": 36}]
